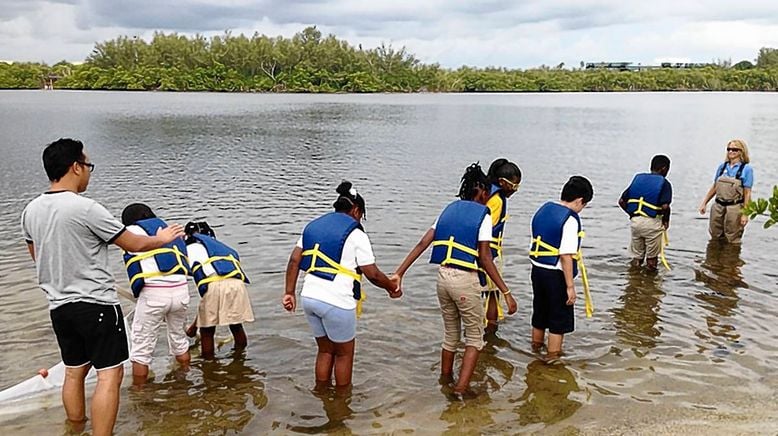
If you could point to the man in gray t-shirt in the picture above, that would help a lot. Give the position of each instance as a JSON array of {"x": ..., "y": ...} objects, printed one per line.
[{"x": 68, "y": 237}]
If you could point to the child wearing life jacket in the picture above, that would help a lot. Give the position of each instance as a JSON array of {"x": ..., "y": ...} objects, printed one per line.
[
  {"x": 647, "y": 202},
  {"x": 504, "y": 178},
  {"x": 221, "y": 282},
  {"x": 335, "y": 252},
  {"x": 460, "y": 240},
  {"x": 554, "y": 249},
  {"x": 158, "y": 281}
]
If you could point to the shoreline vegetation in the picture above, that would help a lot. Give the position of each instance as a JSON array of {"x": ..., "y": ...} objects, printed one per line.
[{"x": 311, "y": 63}]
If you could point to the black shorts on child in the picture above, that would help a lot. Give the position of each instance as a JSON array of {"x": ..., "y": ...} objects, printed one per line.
[
  {"x": 549, "y": 301},
  {"x": 89, "y": 333}
]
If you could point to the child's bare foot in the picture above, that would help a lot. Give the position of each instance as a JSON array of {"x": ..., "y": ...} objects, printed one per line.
[
  {"x": 191, "y": 331},
  {"x": 553, "y": 358},
  {"x": 464, "y": 393},
  {"x": 537, "y": 347}
]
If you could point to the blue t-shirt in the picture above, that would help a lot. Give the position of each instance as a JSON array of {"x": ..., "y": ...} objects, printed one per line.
[{"x": 731, "y": 171}]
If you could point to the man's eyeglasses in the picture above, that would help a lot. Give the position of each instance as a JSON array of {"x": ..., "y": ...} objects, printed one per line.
[
  {"x": 733, "y": 149},
  {"x": 89, "y": 165},
  {"x": 512, "y": 186}
]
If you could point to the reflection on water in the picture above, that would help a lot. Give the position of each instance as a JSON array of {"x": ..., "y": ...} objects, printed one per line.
[
  {"x": 545, "y": 400},
  {"x": 337, "y": 410},
  {"x": 492, "y": 371},
  {"x": 222, "y": 395},
  {"x": 720, "y": 272},
  {"x": 637, "y": 316}
]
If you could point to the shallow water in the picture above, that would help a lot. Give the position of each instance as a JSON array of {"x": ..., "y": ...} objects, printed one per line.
[{"x": 687, "y": 350}]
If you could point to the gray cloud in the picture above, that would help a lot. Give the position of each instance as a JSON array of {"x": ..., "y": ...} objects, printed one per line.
[{"x": 506, "y": 32}]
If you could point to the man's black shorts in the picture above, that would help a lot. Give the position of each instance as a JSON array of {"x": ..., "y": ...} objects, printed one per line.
[
  {"x": 549, "y": 301},
  {"x": 89, "y": 333}
]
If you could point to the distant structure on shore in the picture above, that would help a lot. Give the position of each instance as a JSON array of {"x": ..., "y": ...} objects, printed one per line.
[
  {"x": 49, "y": 80},
  {"x": 629, "y": 66}
]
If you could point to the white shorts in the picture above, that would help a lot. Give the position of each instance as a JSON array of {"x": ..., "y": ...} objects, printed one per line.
[{"x": 154, "y": 306}]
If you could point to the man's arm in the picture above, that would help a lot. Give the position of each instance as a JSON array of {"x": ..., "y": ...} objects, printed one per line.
[{"x": 131, "y": 242}]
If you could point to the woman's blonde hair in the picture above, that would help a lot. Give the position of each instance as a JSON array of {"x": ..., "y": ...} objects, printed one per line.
[{"x": 743, "y": 153}]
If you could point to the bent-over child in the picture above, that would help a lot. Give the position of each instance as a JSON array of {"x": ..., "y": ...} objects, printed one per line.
[
  {"x": 221, "y": 283},
  {"x": 158, "y": 280}
]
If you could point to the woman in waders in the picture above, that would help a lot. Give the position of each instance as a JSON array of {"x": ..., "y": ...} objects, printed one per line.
[{"x": 732, "y": 188}]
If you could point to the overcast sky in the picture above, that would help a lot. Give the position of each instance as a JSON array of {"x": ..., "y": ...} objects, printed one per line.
[{"x": 519, "y": 33}]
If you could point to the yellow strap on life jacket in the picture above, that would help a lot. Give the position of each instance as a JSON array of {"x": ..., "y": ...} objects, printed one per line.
[
  {"x": 180, "y": 266},
  {"x": 641, "y": 202},
  {"x": 216, "y": 277},
  {"x": 665, "y": 242},
  {"x": 550, "y": 250},
  {"x": 496, "y": 242},
  {"x": 450, "y": 260},
  {"x": 362, "y": 298},
  {"x": 333, "y": 268},
  {"x": 589, "y": 306}
]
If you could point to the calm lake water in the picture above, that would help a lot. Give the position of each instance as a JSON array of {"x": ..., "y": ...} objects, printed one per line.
[{"x": 688, "y": 350}]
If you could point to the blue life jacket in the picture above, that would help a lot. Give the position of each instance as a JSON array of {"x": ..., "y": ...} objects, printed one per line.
[
  {"x": 170, "y": 258},
  {"x": 323, "y": 241},
  {"x": 455, "y": 243},
  {"x": 643, "y": 195},
  {"x": 499, "y": 228},
  {"x": 547, "y": 225},
  {"x": 223, "y": 259}
]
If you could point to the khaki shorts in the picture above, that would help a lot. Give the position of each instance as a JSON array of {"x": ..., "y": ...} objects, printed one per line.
[
  {"x": 459, "y": 295},
  {"x": 646, "y": 237},
  {"x": 225, "y": 303}
]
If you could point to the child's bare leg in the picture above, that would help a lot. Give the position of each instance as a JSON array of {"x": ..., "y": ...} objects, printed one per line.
[
  {"x": 325, "y": 361},
  {"x": 466, "y": 371},
  {"x": 241, "y": 341},
  {"x": 344, "y": 364},
  {"x": 191, "y": 331},
  {"x": 447, "y": 365},
  {"x": 184, "y": 359},
  {"x": 538, "y": 339},
  {"x": 555, "y": 345},
  {"x": 491, "y": 314},
  {"x": 140, "y": 373},
  {"x": 206, "y": 341}
]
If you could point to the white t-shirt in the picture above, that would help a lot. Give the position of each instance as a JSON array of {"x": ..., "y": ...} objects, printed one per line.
[
  {"x": 357, "y": 251},
  {"x": 569, "y": 244},
  {"x": 197, "y": 253},
  {"x": 484, "y": 232},
  {"x": 150, "y": 265}
]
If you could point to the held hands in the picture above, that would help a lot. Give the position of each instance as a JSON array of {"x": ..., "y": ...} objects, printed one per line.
[
  {"x": 170, "y": 233},
  {"x": 570, "y": 295},
  {"x": 396, "y": 289},
  {"x": 289, "y": 302}
]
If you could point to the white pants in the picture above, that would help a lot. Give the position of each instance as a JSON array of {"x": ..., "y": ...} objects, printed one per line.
[{"x": 154, "y": 306}]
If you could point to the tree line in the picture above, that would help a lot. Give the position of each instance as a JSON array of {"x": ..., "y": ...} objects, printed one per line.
[{"x": 311, "y": 62}]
